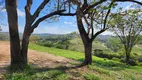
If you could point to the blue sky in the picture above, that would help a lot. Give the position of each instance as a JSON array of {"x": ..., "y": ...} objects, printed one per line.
[{"x": 63, "y": 26}]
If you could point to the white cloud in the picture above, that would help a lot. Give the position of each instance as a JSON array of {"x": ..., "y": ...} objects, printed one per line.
[
  {"x": 107, "y": 33},
  {"x": 68, "y": 22},
  {"x": 5, "y": 28},
  {"x": 133, "y": 6},
  {"x": 53, "y": 29},
  {"x": 20, "y": 13},
  {"x": 2, "y": 9}
]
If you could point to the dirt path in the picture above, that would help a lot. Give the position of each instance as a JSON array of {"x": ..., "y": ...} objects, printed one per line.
[{"x": 39, "y": 59}]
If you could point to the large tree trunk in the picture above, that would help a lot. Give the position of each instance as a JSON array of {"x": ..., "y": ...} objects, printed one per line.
[
  {"x": 127, "y": 58},
  {"x": 127, "y": 54},
  {"x": 88, "y": 53},
  {"x": 85, "y": 39},
  {"x": 16, "y": 58}
]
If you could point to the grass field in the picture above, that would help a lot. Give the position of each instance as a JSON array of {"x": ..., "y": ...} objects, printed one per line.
[
  {"x": 103, "y": 69},
  {"x": 77, "y": 45}
]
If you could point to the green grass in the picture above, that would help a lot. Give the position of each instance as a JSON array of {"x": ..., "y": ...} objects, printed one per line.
[
  {"x": 77, "y": 45},
  {"x": 106, "y": 69},
  {"x": 37, "y": 74},
  {"x": 137, "y": 49},
  {"x": 59, "y": 52},
  {"x": 91, "y": 77}
]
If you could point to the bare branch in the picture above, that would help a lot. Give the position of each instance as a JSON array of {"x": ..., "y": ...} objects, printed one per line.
[
  {"x": 93, "y": 5},
  {"x": 37, "y": 12},
  {"x": 58, "y": 6},
  {"x": 99, "y": 32},
  {"x": 67, "y": 14},
  {"x": 105, "y": 21},
  {"x": 80, "y": 25},
  {"x": 140, "y": 3},
  {"x": 45, "y": 17},
  {"x": 28, "y": 8}
]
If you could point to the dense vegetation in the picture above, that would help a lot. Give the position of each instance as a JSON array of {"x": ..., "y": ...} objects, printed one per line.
[{"x": 110, "y": 48}]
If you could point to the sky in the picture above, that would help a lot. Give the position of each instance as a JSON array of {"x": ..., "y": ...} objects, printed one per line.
[{"x": 64, "y": 25}]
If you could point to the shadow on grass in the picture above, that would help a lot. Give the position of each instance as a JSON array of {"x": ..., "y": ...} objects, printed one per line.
[
  {"x": 110, "y": 65},
  {"x": 107, "y": 64},
  {"x": 62, "y": 68},
  {"x": 45, "y": 73}
]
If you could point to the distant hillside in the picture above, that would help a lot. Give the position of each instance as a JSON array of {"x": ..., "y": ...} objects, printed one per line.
[
  {"x": 70, "y": 41},
  {"x": 40, "y": 34},
  {"x": 45, "y": 34},
  {"x": 101, "y": 38}
]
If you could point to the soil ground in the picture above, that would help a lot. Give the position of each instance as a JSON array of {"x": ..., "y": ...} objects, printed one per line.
[{"x": 40, "y": 60}]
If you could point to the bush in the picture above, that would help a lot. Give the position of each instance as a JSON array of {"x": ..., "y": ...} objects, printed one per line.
[
  {"x": 132, "y": 61},
  {"x": 101, "y": 54},
  {"x": 140, "y": 59}
]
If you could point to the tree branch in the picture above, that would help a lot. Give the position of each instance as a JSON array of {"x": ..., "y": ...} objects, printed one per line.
[
  {"x": 85, "y": 4},
  {"x": 80, "y": 25},
  {"x": 67, "y": 14},
  {"x": 45, "y": 17},
  {"x": 99, "y": 32},
  {"x": 28, "y": 8},
  {"x": 105, "y": 21},
  {"x": 93, "y": 5},
  {"x": 37, "y": 12},
  {"x": 140, "y": 3}
]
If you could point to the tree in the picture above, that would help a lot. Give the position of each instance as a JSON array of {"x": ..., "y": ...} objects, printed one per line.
[
  {"x": 19, "y": 51},
  {"x": 93, "y": 19},
  {"x": 86, "y": 9},
  {"x": 127, "y": 26}
]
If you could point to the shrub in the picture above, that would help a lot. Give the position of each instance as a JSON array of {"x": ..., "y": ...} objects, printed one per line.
[
  {"x": 132, "y": 61},
  {"x": 100, "y": 53},
  {"x": 140, "y": 59}
]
